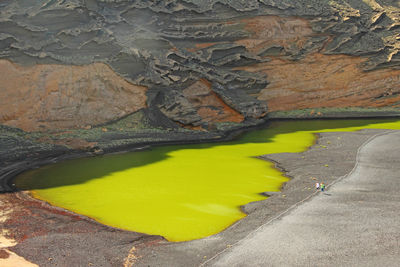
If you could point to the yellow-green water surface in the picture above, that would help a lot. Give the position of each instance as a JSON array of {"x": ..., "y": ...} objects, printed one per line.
[{"x": 181, "y": 192}]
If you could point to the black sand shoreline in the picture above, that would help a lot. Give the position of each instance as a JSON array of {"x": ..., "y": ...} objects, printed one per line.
[
  {"x": 299, "y": 167},
  {"x": 8, "y": 173},
  {"x": 298, "y": 188}
]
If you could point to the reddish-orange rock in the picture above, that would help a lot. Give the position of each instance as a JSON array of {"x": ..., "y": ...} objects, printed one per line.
[
  {"x": 314, "y": 80},
  {"x": 44, "y": 97},
  {"x": 326, "y": 81},
  {"x": 268, "y": 31},
  {"x": 210, "y": 107},
  {"x": 201, "y": 46}
]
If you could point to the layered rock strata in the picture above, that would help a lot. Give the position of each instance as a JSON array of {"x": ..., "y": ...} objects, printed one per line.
[
  {"x": 320, "y": 81},
  {"x": 194, "y": 63}
]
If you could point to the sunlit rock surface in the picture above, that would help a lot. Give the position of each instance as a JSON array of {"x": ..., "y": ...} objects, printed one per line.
[
  {"x": 60, "y": 96},
  {"x": 193, "y": 63}
]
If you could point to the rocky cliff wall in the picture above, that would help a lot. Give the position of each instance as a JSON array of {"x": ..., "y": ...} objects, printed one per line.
[
  {"x": 194, "y": 63},
  {"x": 63, "y": 96}
]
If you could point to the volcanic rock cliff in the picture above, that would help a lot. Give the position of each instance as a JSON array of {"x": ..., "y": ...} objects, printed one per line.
[
  {"x": 78, "y": 63},
  {"x": 106, "y": 67}
]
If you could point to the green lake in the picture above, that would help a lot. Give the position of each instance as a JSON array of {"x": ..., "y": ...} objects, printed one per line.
[{"x": 181, "y": 192}]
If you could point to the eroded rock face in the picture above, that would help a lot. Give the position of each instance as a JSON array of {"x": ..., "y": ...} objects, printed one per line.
[
  {"x": 327, "y": 81},
  {"x": 200, "y": 105},
  {"x": 46, "y": 97},
  {"x": 202, "y": 61}
]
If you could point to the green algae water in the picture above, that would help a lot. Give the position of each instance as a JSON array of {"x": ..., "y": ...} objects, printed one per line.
[{"x": 181, "y": 192}]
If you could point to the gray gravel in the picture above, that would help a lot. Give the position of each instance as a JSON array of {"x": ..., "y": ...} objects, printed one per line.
[
  {"x": 332, "y": 157},
  {"x": 355, "y": 223}
]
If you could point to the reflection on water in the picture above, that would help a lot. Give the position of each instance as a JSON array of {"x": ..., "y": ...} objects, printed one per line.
[{"x": 181, "y": 192}]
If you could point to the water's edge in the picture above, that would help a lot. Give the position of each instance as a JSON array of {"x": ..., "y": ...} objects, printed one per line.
[{"x": 11, "y": 171}]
